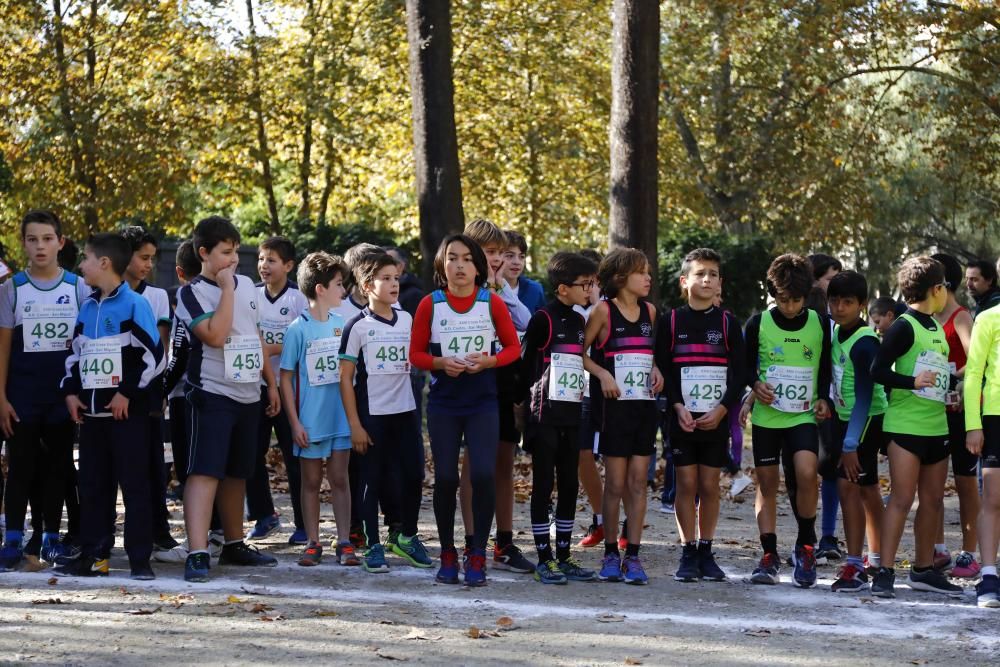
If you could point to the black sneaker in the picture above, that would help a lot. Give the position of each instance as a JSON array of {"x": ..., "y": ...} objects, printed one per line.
[
  {"x": 197, "y": 566},
  {"x": 884, "y": 583},
  {"x": 84, "y": 566},
  {"x": 933, "y": 581},
  {"x": 988, "y": 592},
  {"x": 707, "y": 566},
  {"x": 828, "y": 550},
  {"x": 688, "y": 570},
  {"x": 766, "y": 571},
  {"x": 850, "y": 579},
  {"x": 240, "y": 553},
  {"x": 510, "y": 558},
  {"x": 142, "y": 572}
]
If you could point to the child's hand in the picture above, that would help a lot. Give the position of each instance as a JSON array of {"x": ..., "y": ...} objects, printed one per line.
[
  {"x": 76, "y": 408},
  {"x": 476, "y": 362},
  {"x": 224, "y": 278},
  {"x": 852, "y": 467},
  {"x": 119, "y": 407},
  {"x": 711, "y": 419},
  {"x": 974, "y": 441},
  {"x": 684, "y": 418},
  {"x": 822, "y": 410},
  {"x": 745, "y": 410},
  {"x": 496, "y": 276},
  {"x": 764, "y": 392},
  {"x": 273, "y": 402},
  {"x": 608, "y": 385},
  {"x": 300, "y": 436},
  {"x": 657, "y": 380},
  {"x": 360, "y": 440},
  {"x": 7, "y": 418},
  {"x": 453, "y": 366},
  {"x": 924, "y": 380}
]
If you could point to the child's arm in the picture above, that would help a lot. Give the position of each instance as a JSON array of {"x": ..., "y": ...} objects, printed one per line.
[
  {"x": 963, "y": 327},
  {"x": 420, "y": 336},
  {"x": 360, "y": 440},
  {"x": 7, "y": 414},
  {"x": 896, "y": 341},
  {"x": 299, "y": 434},
  {"x": 273, "y": 399},
  {"x": 824, "y": 407},
  {"x": 213, "y": 329},
  {"x": 71, "y": 384},
  {"x": 862, "y": 355},
  {"x": 762, "y": 391},
  {"x": 984, "y": 335},
  {"x": 598, "y": 327},
  {"x": 507, "y": 334}
]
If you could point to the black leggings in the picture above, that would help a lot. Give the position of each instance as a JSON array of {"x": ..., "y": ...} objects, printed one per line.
[
  {"x": 38, "y": 457},
  {"x": 392, "y": 469},
  {"x": 555, "y": 456}
]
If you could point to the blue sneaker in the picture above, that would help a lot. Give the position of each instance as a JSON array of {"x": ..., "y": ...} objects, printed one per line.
[
  {"x": 413, "y": 550},
  {"x": 575, "y": 572},
  {"x": 448, "y": 572},
  {"x": 264, "y": 527},
  {"x": 548, "y": 572},
  {"x": 611, "y": 568},
  {"x": 804, "y": 560},
  {"x": 633, "y": 572},
  {"x": 374, "y": 560},
  {"x": 299, "y": 537},
  {"x": 475, "y": 568},
  {"x": 10, "y": 555},
  {"x": 196, "y": 567},
  {"x": 52, "y": 548}
]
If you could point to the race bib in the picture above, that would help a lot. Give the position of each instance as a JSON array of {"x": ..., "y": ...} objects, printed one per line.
[
  {"x": 634, "y": 376},
  {"x": 838, "y": 383},
  {"x": 937, "y": 363},
  {"x": 703, "y": 387},
  {"x": 567, "y": 381},
  {"x": 48, "y": 327},
  {"x": 273, "y": 333},
  {"x": 386, "y": 352},
  {"x": 242, "y": 357},
  {"x": 793, "y": 388},
  {"x": 323, "y": 361},
  {"x": 101, "y": 363},
  {"x": 462, "y": 337}
]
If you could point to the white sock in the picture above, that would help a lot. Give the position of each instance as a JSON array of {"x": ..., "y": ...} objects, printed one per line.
[
  {"x": 989, "y": 571},
  {"x": 600, "y": 519},
  {"x": 940, "y": 548},
  {"x": 875, "y": 560}
]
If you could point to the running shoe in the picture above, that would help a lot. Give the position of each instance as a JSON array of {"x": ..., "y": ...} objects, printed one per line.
[
  {"x": 197, "y": 566},
  {"x": 358, "y": 539},
  {"x": 216, "y": 540},
  {"x": 240, "y": 553},
  {"x": 708, "y": 569},
  {"x": 311, "y": 555},
  {"x": 594, "y": 536},
  {"x": 766, "y": 571},
  {"x": 52, "y": 549},
  {"x": 688, "y": 570},
  {"x": 548, "y": 572},
  {"x": 632, "y": 571},
  {"x": 988, "y": 592},
  {"x": 374, "y": 560},
  {"x": 828, "y": 550},
  {"x": 942, "y": 560},
  {"x": 33, "y": 547},
  {"x": 174, "y": 554},
  {"x": 299, "y": 537},
  {"x": 739, "y": 485},
  {"x": 448, "y": 572},
  {"x": 10, "y": 555},
  {"x": 870, "y": 570},
  {"x": 142, "y": 572},
  {"x": 850, "y": 579},
  {"x": 393, "y": 537},
  {"x": 576, "y": 572},
  {"x": 475, "y": 568},
  {"x": 611, "y": 568},
  {"x": 510, "y": 558},
  {"x": 966, "y": 566},
  {"x": 884, "y": 583},
  {"x": 804, "y": 573},
  {"x": 264, "y": 527},
  {"x": 346, "y": 555},
  {"x": 412, "y": 550},
  {"x": 667, "y": 508},
  {"x": 932, "y": 581},
  {"x": 84, "y": 567},
  {"x": 72, "y": 551}
]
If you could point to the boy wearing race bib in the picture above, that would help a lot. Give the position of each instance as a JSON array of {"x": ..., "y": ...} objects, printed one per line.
[
  {"x": 859, "y": 404},
  {"x": 700, "y": 352},
  {"x": 38, "y": 310},
  {"x": 623, "y": 384},
  {"x": 309, "y": 390},
  {"x": 552, "y": 372},
  {"x": 280, "y": 302},
  {"x": 220, "y": 310},
  {"x": 788, "y": 358},
  {"x": 883, "y": 311},
  {"x": 116, "y": 354},
  {"x": 381, "y": 411},
  {"x": 913, "y": 361}
]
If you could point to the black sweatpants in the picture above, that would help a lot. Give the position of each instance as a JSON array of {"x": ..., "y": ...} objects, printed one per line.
[
  {"x": 39, "y": 456},
  {"x": 260, "y": 504},
  {"x": 392, "y": 470},
  {"x": 555, "y": 454}
]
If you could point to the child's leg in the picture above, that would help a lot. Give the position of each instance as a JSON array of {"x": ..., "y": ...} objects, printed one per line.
[
  {"x": 283, "y": 431},
  {"x": 930, "y": 491},
  {"x": 854, "y": 516},
  {"x": 708, "y": 501},
  {"x": 967, "y": 487},
  {"x": 312, "y": 479},
  {"x": 615, "y": 488},
  {"x": 58, "y": 439},
  {"x": 371, "y": 479},
  {"x": 179, "y": 438},
  {"x": 543, "y": 461},
  {"x": 260, "y": 504},
  {"x": 590, "y": 478},
  {"x": 22, "y": 458},
  {"x": 72, "y": 495},
  {"x": 989, "y": 517},
  {"x": 97, "y": 487},
  {"x": 904, "y": 469},
  {"x": 157, "y": 480},
  {"x": 410, "y": 461},
  {"x": 199, "y": 499},
  {"x": 805, "y": 463},
  {"x": 465, "y": 496},
  {"x": 635, "y": 497},
  {"x": 132, "y": 470},
  {"x": 684, "y": 509},
  {"x": 482, "y": 438},
  {"x": 446, "y": 441},
  {"x": 231, "y": 494},
  {"x": 766, "y": 503},
  {"x": 736, "y": 437},
  {"x": 567, "y": 488},
  {"x": 340, "y": 492},
  {"x": 871, "y": 497},
  {"x": 504, "y": 476}
]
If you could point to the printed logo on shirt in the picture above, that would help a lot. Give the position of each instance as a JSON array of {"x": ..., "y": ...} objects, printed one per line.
[
  {"x": 109, "y": 326},
  {"x": 444, "y": 323},
  {"x": 714, "y": 337},
  {"x": 646, "y": 329},
  {"x": 777, "y": 354},
  {"x": 579, "y": 336},
  {"x": 792, "y": 340},
  {"x": 619, "y": 329},
  {"x": 63, "y": 299},
  {"x": 284, "y": 311},
  {"x": 253, "y": 304},
  {"x": 807, "y": 352}
]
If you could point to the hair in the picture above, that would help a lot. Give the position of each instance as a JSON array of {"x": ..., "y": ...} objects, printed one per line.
[
  {"x": 484, "y": 233},
  {"x": 318, "y": 268},
  {"x": 370, "y": 265},
  {"x": 821, "y": 263},
  {"x": 68, "y": 255},
  {"x": 478, "y": 259},
  {"x": 565, "y": 267},
  {"x": 41, "y": 216},
  {"x": 280, "y": 246},
  {"x": 617, "y": 266},
  {"x": 953, "y": 272},
  {"x": 211, "y": 231},
  {"x": 353, "y": 257},
  {"x": 404, "y": 256},
  {"x": 881, "y": 305},
  {"x": 516, "y": 239},
  {"x": 918, "y": 276},
  {"x": 790, "y": 276},
  {"x": 112, "y": 246},
  {"x": 847, "y": 284},
  {"x": 593, "y": 255},
  {"x": 700, "y": 255},
  {"x": 187, "y": 259},
  {"x": 987, "y": 269},
  {"x": 137, "y": 236}
]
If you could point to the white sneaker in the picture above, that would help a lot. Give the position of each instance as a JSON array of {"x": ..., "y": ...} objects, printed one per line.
[
  {"x": 667, "y": 508},
  {"x": 216, "y": 541},
  {"x": 177, "y": 554},
  {"x": 739, "y": 485}
]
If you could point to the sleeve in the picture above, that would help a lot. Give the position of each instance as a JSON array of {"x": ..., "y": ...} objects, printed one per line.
[
  {"x": 895, "y": 343},
  {"x": 420, "y": 336},
  {"x": 189, "y": 309},
  {"x": 825, "y": 375},
  {"x": 984, "y": 336},
  {"x": 737, "y": 377},
  {"x": 71, "y": 383},
  {"x": 7, "y": 319},
  {"x": 506, "y": 332},
  {"x": 519, "y": 313},
  {"x": 664, "y": 357},
  {"x": 180, "y": 346},
  {"x": 350, "y": 342},
  {"x": 535, "y": 340},
  {"x": 144, "y": 336},
  {"x": 752, "y": 342},
  {"x": 161, "y": 310},
  {"x": 863, "y": 354},
  {"x": 82, "y": 290},
  {"x": 292, "y": 347}
]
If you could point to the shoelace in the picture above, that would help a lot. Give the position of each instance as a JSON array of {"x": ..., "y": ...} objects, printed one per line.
[
  {"x": 769, "y": 560},
  {"x": 808, "y": 557}
]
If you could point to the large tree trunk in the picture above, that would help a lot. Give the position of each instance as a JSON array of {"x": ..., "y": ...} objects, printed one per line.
[
  {"x": 435, "y": 144},
  {"x": 257, "y": 106},
  {"x": 635, "y": 70}
]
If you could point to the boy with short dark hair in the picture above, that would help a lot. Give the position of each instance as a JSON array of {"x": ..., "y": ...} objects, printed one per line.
[
  {"x": 883, "y": 311},
  {"x": 529, "y": 292},
  {"x": 117, "y": 354}
]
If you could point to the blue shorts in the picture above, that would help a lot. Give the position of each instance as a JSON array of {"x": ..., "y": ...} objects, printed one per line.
[
  {"x": 223, "y": 435},
  {"x": 323, "y": 448}
]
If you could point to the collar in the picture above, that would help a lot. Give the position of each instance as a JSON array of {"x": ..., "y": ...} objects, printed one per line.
[
  {"x": 267, "y": 294},
  {"x": 123, "y": 288},
  {"x": 368, "y": 312}
]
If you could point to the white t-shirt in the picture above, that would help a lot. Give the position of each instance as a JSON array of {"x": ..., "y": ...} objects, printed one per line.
[
  {"x": 277, "y": 313},
  {"x": 381, "y": 349},
  {"x": 157, "y": 299}
]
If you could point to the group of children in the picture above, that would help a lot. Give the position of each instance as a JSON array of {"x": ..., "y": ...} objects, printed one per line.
[{"x": 332, "y": 364}]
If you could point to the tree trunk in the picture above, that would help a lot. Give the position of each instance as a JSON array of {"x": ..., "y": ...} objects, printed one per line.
[
  {"x": 435, "y": 144},
  {"x": 257, "y": 106},
  {"x": 309, "y": 94},
  {"x": 634, "y": 97}
]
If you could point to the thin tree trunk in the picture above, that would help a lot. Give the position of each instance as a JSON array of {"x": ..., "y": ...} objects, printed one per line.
[
  {"x": 309, "y": 64},
  {"x": 435, "y": 143},
  {"x": 257, "y": 106},
  {"x": 324, "y": 198},
  {"x": 634, "y": 97}
]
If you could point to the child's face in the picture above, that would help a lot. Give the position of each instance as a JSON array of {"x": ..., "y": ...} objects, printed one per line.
[
  {"x": 142, "y": 262},
  {"x": 703, "y": 281},
  {"x": 223, "y": 256},
  {"x": 790, "y": 306},
  {"x": 844, "y": 309},
  {"x": 42, "y": 245},
  {"x": 578, "y": 293},
  {"x": 385, "y": 287},
  {"x": 883, "y": 321},
  {"x": 91, "y": 267},
  {"x": 515, "y": 262},
  {"x": 639, "y": 283},
  {"x": 459, "y": 269},
  {"x": 494, "y": 255},
  {"x": 938, "y": 298},
  {"x": 824, "y": 280},
  {"x": 331, "y": 294},
  {"x": 272, "y": 269}
]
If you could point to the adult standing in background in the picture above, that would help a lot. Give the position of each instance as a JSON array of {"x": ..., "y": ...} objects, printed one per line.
[{"x": 981, "y": 281}]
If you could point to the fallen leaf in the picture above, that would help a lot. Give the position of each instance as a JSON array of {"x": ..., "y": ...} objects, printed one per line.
[
  {"x": 33, "y": 564},
  {"x": 325, "y": 612},
  {"x": 385, "y": 621},
  {"x": 232, "y": 599},
  {"x": 473, "y": 632},
  {"x": 610, "y": 618},
  {"x": 49, "y": 601},
  {"x": 759, "y": 632},
  {"x": 263, "y": 590},
  {"x": 143, "y": 612},
  {"x": 276, "y": 617},
  {"x": 388, "y": 656},
  {"x": 632, "y": 661},
  {"x": 505, "y": 623},
  {"x": 53, "y": 581},
  {"x": 258, "y": 608}
]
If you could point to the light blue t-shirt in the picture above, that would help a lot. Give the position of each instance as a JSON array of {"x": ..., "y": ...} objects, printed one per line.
[{"x": 320, "y": 408}]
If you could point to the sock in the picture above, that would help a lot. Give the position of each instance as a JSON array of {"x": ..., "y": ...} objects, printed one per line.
[
  {"x": 921, "y": 569},
  {"x": 469, "y": 541},
  {"x": 831, "y": 503},
  {"x": 874, "y": 559},
  {"x": 564, "y": 535},
  {"x": 50, "y": 538},
  {"x": 855, "y": 561},
  {"x": 198, "y": 551},
  {"x": 14, "y": 537},
  {"x": 343, "y": 543},
  {"x": 705, "y": 545},
  {"x": 228, "y": 542},
  {"x": 542, "y": 542},
  {"x": 632, "y": 550},
  {"x": 504, "y": 538},
  {"x": 807, "y": 532},
  {"x": 598, "y": 519},
  {"x": 611, "y": 549},
  {"x": 940, "y": 548},
  {"x": 989, "y": 571},
  {"x": 769, "y": 543},
  {"x": 689, "y": 547}
]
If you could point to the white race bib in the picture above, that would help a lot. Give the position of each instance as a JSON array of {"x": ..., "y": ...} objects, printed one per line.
[
  {"x": 101, "y": 363},
  {"x": 937, "y": 363},
  {"x": 48, "y": 327},
  {"x": 242, "y": 356},
  {"x": 323, "y": 361},
  {"x": 566, "y": 377},
  {"x": 793, "y": 388},
  {"x": 634, "y": 376},
  {"x": 386, "y": 352},
  {"x": 703, "y": 387},
  {"x": 273, "y": 332},
  {"x": 838, "y": 383},
  {"x": 461, "y": 337}
]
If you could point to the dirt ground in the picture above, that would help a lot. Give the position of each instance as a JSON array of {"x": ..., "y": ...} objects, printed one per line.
[{"x": 291, "y": 614}]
